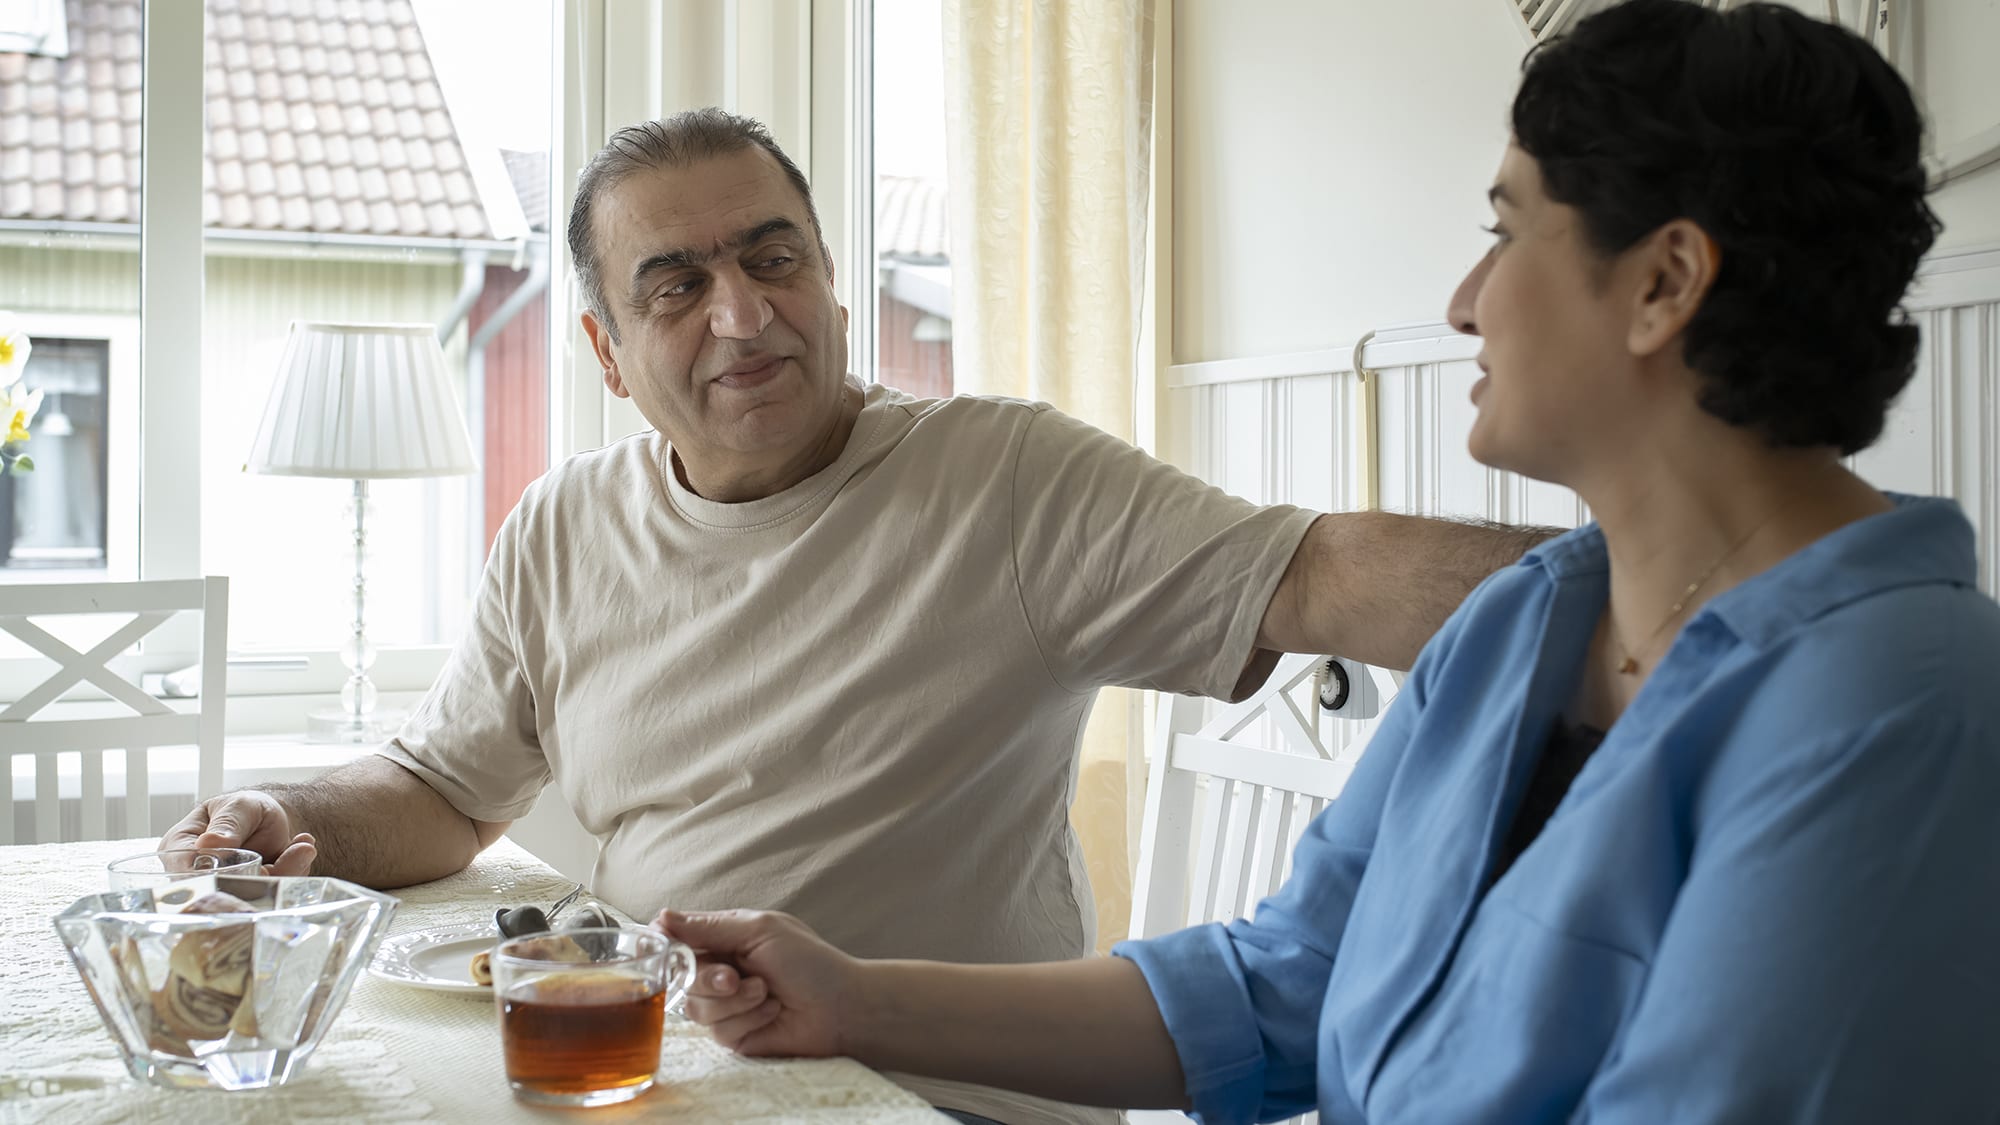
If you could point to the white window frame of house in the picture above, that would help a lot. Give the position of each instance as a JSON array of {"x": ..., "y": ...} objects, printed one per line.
[{"x": 120, "y": 335}]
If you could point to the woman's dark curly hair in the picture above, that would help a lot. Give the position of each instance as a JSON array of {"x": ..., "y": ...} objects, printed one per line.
[{"x": 1798, "y": 149}]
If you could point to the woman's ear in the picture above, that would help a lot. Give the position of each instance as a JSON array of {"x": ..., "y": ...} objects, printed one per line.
[{"x": 1679, "y": 263}]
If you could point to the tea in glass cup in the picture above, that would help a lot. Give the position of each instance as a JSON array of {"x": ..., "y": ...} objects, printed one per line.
[
  {"x": 157, "y": 869},
  {"x": 581, "y": 1011}
]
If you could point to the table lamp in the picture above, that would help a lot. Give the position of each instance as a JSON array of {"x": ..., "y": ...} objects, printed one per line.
[{"x": 361, "y": 402}]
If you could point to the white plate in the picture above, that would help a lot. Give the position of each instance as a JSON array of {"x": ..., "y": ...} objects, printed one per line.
[{"x": 439, "y": 958}]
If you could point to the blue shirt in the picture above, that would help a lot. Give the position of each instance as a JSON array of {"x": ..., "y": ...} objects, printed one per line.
[{"x": 1772, "y": 895}]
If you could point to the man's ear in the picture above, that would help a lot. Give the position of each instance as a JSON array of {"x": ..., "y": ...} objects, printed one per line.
[
  {"x": 1678, "y": 265},
  {"x": 829, "y": 281},
  {"x": 600, "y": 343}
]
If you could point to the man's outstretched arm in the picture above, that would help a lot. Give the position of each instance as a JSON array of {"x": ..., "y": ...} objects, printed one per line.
[
  {"x": 1374, "y": 586},
  {"x": 370, "y": 821}
]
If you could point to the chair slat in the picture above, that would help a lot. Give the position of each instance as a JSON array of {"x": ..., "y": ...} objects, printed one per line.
[
  {"x": 1277, "y": 845},
  {"x": 93, "y": 795},
  {"x": 214, "y": 685},
  {"x": 1208, "y": 854},
  {"x": 1293, "y": 726},
  {"x": 1237, "y": 854},
  {"x": 44, "y": 737},
  {"x": 138, "y": 798},
  {"x": 102, "y": 597},
  {"x": 1274, "y": 768},
  {"x": 48, "y": 809}
]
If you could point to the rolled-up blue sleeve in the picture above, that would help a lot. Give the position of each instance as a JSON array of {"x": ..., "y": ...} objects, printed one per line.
[{"x": 1203, "y": 989}]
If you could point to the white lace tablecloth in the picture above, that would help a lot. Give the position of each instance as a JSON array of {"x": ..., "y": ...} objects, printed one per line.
[{"x": 394, "y": 1054}]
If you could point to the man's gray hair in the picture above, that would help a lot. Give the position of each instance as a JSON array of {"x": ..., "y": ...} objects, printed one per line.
[{"x": 672, "y": 142}]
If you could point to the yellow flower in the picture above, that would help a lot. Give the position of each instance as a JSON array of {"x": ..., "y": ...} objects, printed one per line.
[{"x": 17, "y": 428}]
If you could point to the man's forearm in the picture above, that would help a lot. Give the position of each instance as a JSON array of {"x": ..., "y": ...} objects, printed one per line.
[
  {"x": 1080, "y": 1031},
  {"x": 1375, "y": 586},
  {"x": 377, "y": 824}
]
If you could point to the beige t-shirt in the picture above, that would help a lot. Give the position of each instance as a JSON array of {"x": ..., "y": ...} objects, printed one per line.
[{"x": 858, "y": 700}]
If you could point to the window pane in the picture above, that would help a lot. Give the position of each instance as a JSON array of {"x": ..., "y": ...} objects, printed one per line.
[
  {"x": 372, "y": 163},
  {"x": 53, "y": 518},
  {"x": 913, "y": 303},
  {"x": 70, "y": 81}
]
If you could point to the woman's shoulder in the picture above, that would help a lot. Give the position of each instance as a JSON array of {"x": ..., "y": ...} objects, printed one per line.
[
  {"x": 1886, "y": 611},
  {"x": 1936, "y": 643}
]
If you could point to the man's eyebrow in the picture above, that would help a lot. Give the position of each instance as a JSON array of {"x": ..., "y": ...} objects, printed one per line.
[{"x": 685, "y": 257}]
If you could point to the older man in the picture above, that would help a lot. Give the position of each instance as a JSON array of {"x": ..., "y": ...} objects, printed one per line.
[{"x": 819, "y": 646}]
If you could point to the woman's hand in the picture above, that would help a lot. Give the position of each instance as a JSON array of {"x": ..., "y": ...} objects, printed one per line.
[{"x": 767, "y": 985}]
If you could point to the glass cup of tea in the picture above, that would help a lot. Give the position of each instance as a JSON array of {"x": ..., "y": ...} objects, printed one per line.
[
  {"x": 581, "y": 1011},
  {"x": 157, "y": 869}
]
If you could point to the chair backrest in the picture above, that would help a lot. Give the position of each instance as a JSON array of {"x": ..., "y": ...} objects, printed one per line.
[
  {"x": 139, "y": 722},
  {"x": 1227, "y": 798}
]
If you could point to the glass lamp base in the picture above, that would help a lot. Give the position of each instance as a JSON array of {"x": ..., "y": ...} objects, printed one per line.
[{"x": 336, "y": 725}]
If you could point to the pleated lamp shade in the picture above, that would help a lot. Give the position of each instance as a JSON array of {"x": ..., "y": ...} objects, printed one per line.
[{"x": 362, "y": 401}]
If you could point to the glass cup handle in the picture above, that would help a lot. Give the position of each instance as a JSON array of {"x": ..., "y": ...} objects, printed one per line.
[{"x": 680, "y": 976}]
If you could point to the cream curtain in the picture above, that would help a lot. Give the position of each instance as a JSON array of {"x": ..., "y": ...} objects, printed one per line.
[{"x": 1049, "y": 133}]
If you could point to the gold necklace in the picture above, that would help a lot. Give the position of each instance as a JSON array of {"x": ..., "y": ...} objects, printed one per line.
[{"x": 1629, "y": 666}]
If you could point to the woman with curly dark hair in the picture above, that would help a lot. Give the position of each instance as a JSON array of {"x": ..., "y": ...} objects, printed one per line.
[{"x": 1688, "y": 817}]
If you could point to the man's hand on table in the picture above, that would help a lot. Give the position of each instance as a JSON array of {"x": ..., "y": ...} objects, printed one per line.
[
  {"x": 250, "y": 819},
  {"x": 767, "y": 985}
]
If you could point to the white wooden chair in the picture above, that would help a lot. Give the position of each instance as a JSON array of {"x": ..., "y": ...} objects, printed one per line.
[
  {"x": 138, "y": 721},
  {"x": 1228, "y": 798}
]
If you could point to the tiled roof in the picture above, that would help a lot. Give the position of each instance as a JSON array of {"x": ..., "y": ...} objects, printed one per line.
[
  {"x": 529, "y": 172},
  {"x": 911, "y": 219},
  {"x": 324, "y": 117}
]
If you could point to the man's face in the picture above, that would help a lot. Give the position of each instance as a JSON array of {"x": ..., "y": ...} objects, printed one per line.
[{"x": 729, "y": 340}]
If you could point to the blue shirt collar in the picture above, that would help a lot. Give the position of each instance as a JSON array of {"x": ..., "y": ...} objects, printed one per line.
[{"x": 1923, "y": 539}]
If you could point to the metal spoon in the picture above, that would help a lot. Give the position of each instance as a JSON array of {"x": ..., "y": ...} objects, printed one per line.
[{"x": 519, "y": 920}]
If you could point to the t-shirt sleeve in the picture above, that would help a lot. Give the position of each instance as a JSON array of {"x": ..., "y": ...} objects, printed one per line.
[
  {"x": 473, "y": 738},
  {"x": 1136, "y": 574}
]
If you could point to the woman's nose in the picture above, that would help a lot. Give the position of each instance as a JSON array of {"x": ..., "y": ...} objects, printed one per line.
[{"x": 1459, "y": 311}]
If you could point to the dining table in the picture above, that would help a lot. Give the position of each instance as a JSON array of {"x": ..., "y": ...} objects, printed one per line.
[{"x": 394, "y": 1053}]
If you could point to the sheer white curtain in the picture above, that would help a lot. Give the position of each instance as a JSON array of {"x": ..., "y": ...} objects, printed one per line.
[{"x": 1049, "y": 127}]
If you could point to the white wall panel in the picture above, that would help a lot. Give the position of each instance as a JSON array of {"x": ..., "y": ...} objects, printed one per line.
[
  {"x": 1293, "y": 437},
  {"x": 1943, "y": 438}
]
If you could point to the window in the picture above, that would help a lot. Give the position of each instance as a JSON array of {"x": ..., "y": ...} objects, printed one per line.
[
  {"x": 388, "y": 161},
  {"x": 69, "y": 270},
  {"x": 912, "y": 216},
  {"x": 371, "y": 166},
  {"x": 54, "y": 518}
]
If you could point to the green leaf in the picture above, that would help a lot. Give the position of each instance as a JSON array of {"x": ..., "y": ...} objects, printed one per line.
[{"x": 24, "y": 464}]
